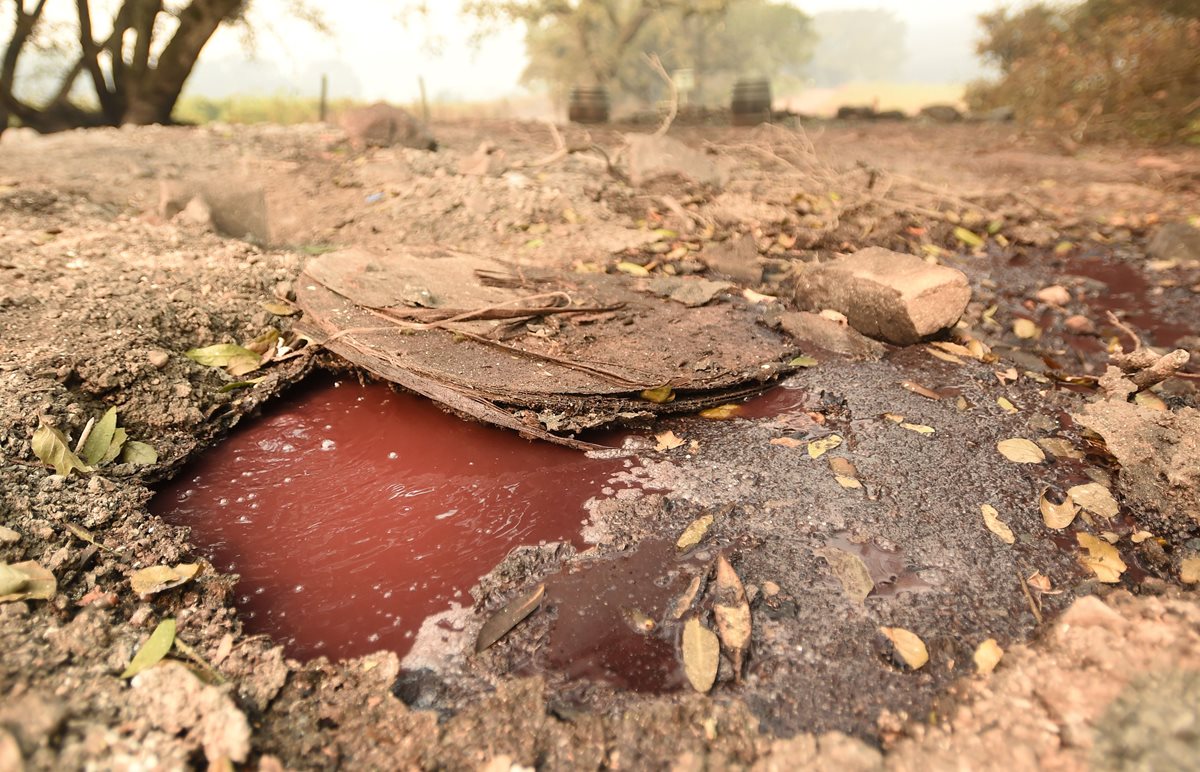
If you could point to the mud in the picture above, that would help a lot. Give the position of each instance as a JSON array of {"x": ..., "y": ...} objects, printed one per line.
[{"x": 96, "y": 284}]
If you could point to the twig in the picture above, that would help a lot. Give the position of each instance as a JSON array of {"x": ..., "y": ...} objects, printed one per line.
[
  {"x": 673, "y": 110},
  {"x": 1115, "y": 322},
  {"x": 1037, "y": 613}
]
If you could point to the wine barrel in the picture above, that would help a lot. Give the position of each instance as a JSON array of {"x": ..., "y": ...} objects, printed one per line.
[
  {"x": 588, "y": 104},
  {"x": 751, "y": 104}
]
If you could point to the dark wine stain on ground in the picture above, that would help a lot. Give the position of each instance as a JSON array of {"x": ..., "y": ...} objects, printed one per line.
[{"x": 353, "y": 512}]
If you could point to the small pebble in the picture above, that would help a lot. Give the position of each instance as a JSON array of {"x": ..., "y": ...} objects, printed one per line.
[
  {"x": 8, "y": 535},
  {"x": 1080, "y": 325},
  {"x": 158, "y": 358}
]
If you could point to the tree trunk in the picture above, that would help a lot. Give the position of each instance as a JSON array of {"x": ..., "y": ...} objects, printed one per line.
[{"x": 152, "y": 98}]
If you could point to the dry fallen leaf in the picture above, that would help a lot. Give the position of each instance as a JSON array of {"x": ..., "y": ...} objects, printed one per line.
[
  {"x": 153, "y": 650},
  {"x": 755, "y": 297},
  {"x": 26, "y": 581},
  {"x": 1020, "y": 451},
  {"x": 632, "y": 269},
  {"x": 987, "y": 656},
  {"x": 1061, "y": 448},
  {"x": 96, "y": 446},
  {"x": 1189, "y": 570},
  {"x": 1006, "y": 406},
  {"x": 849, "y": 483},
  {"x": 235, "y": 359},
  {"x": 667, "y": 441},
  {"x": 842, "y": 466},
  {"x": 942, "y": 355},
  {"x": 1057, "y": 515},
  {"x": 1095, "y": 498},
  {"x": 721, "y": 412},
  {"x": 1039, "y": 581},
  {"x": 1025, "y": 329},
  {"x": 803, "y": 361},
  {"x": 659, "y": 395},
  {"x": 1102, "y": 558},
  {"x": 818, "y": 448},
  {"x": 894, "y": 417},
  {"x": 732, "y": 613},
  {"x": 920, "y": 390},
  {"x": 149, "y": 581},
  {"x": 701, "y": 655},
  {"x": 851, "y": 571},
  {"x": 51, "y": 448},
  {"x": 918, "y": 428},
  {"x": 787, "y": 442},
  {"x": 695, "y": 531},
  {"x": 684, "y": 601},
  {"x": 991, "y": 518},
  {"x": 908, "y": 645},
  {"x": 508, "y": 616}
]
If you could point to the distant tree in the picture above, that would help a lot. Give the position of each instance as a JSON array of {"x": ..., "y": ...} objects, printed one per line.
[
  {"x": 601, "y": 42},
  {"x": 136, "y": 71},
  {"x": 1100, "y": 68},
  {"x": 856, "y": 45},
  {"x": 598, "y": 34}
]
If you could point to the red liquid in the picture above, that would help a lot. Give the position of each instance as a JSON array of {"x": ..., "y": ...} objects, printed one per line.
[{"x": 352, "y": 513}]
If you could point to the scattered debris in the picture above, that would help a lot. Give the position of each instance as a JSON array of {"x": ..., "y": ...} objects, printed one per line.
[
  {"x": 987, "y": 656},
  {"x": 508, "y": 617},
  {"x": 910, "y": 648},
  {"x": 701, "y": 655}
]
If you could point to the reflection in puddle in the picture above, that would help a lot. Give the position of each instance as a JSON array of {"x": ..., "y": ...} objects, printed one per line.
[
  {"x": 352, "y": 513},
  {"x": 889, "y": 569}
]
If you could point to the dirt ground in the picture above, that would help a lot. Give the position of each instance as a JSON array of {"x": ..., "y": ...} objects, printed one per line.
[{"x": 107, "y": 277}]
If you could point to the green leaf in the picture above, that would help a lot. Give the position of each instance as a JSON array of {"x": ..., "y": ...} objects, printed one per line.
[
  {"x": 153, "y": 650},
  {"x": 51, "y": 448},
  {"x": 803, "y": 361},
  {"x": 968, "y": 237},
  {"x": 26, "y": 581},
  {"x": 234, "y": 358},
  {"x": 114, "y": 448},
  {"x": 241, "y": 384},
  {"x": 279, "y": 308},
  {"x": 100, "y": 438},
  {"x": 139, "y": 454}
]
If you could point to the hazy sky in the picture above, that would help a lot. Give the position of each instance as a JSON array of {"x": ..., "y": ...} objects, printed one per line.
[{"x": 387, "y": 54}]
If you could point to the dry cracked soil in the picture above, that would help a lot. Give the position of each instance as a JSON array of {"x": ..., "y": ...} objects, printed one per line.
[{"x": 850, "y": 501}]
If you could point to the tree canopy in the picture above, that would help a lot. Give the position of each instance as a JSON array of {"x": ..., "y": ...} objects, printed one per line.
[
  {"x": 1100, "y": 68},
  {"x": 600, "y": 42},
  {"x": 135, "y": 55}
]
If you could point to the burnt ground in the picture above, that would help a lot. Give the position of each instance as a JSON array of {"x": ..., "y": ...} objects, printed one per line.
[{"x": 99, "y": 279}]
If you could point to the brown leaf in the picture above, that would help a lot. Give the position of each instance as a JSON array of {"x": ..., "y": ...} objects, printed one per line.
[
  {"x": 1095, "y": 498},
  {"x": 908, "y": 645},
  {"x": 851, "y": 571},
  {"x": 732, "y": 613},
  {"x": 701, "y": 655},
  {"x": 667, "y": 441},
  {"x": 1057, "y": 515},
  {"x": 818, "y": 448},
  {"x": 1020, "y": 451},
  {"x": 787, "y": 442},
  {"x": 695, "y": 531},
  {"x": 991, "y": 518},
  {"x": 1102, "y": 558},
  {"x": 987, "y": 656},
  {"x": 154, "y": 579},
  {"x": 917, "y": 388},
  {"x": 508, "y": 617},
  {"x": 684, "y": 601},
  {"x": 1061, "y": 448}
]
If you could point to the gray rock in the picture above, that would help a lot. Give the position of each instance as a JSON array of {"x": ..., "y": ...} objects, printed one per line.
[
  {"x": 736, "y": 259},
  {"x": 886, "y": 295},
  {"x": 234, "y": 206},
  {"x": 692, "y": 292},
  {"x": 1175, "y": 241},
  {"x": 652, "y": 157},
  {"x": 815, "y": 329},
  {"x": 941, "y": 113},
  {"x": 382, "y": 125}
]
